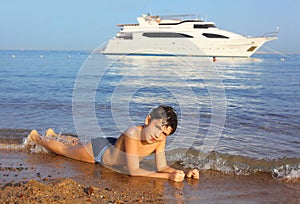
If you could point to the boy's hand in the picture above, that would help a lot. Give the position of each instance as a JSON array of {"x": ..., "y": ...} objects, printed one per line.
[
  {"x": 193, "y": 174},
  {"x": 177, "y": 176}
]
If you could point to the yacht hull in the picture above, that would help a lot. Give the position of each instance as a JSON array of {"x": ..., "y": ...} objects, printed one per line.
[{"x": 196, "y": 47}]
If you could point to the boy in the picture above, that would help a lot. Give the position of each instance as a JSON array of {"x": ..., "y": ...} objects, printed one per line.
[{"x": 133, "y": 145}]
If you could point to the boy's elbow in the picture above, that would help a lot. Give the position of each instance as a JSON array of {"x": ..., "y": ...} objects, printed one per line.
[{"x": 134, "y": 172}]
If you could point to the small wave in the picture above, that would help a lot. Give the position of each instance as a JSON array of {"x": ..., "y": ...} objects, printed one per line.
[
  {"x": 34, "y": 148},
  {"x": 5, "y": 146},
  {"x": 25, "y": 146},
  {"x": 284, "y": 168},
  {"x": 28, "y": 145},
  {"x": 287, "y": 172}
]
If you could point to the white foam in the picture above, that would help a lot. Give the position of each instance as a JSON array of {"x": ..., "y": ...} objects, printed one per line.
[
  {"x": 287, "y": 172},
  {"x": 4, "y": 146},
  {"x": 33, "y": 148}
]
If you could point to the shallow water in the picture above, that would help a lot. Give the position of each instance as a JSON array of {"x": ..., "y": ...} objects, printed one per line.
[{"x": 244, "y": 110}]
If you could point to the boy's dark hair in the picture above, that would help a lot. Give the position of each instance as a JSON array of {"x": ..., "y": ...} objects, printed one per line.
[{"x": 168, "y": 114}]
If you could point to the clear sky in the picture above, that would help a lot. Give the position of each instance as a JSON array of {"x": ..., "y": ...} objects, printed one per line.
[{"x": 84, "y": 25}]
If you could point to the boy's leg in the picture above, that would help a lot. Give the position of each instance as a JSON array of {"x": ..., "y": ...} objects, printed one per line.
[{"x": 79, "y": 152}]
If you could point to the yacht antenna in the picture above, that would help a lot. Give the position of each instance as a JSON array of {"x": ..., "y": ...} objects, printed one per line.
[{"x": 150, "y": 10}]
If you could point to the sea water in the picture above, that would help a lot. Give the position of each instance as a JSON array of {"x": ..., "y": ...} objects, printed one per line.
[{"x": 235, "y": 115}]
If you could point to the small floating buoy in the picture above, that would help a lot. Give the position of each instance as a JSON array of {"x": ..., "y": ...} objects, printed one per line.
[{"x": 13, "y": 56}]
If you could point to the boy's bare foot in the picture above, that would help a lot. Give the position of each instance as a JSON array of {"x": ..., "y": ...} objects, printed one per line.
[
  {"x": 50, "y": 133},
  {"x": 34, "y": 137}
]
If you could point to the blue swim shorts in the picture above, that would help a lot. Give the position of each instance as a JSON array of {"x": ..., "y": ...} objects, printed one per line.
[{"x": 99, "y": 146}]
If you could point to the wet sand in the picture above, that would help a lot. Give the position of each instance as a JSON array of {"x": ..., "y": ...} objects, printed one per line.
[{"x": 44, "y": 178}]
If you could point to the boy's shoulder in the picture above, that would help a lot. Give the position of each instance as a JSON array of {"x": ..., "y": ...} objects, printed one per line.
[{"x": 133, "y": 132}]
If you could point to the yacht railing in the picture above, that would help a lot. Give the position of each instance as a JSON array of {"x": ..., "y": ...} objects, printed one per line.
[
  {"x": 273, "y": 34},
  {"x": 180, "y": 17},
  {"x": 270, "y": 34}
]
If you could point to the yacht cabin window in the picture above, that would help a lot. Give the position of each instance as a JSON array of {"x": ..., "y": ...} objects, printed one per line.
[
  {"x": 205, "y": 26},
  {"x": 166, "y": 35},
  {"x": 212, "y": 35}
]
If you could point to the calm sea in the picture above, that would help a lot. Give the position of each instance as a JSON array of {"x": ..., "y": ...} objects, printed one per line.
[{"x": 235, "y": 115}]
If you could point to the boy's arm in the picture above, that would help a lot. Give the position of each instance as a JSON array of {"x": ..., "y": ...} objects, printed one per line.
[{"x": 161, "y": 163}]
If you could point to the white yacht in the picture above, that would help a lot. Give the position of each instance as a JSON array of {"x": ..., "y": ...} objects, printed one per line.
[{"x": 181, "y": 36}]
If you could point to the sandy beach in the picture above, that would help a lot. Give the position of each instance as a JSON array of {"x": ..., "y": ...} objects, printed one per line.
[{"x": 47, "y": 178}]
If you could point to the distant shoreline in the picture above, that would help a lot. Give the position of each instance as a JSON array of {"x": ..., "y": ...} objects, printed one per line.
[{"x": 90, "y": 51}]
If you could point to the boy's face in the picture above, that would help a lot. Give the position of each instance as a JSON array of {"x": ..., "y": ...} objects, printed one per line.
[{"x": 156, "y": 131}]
